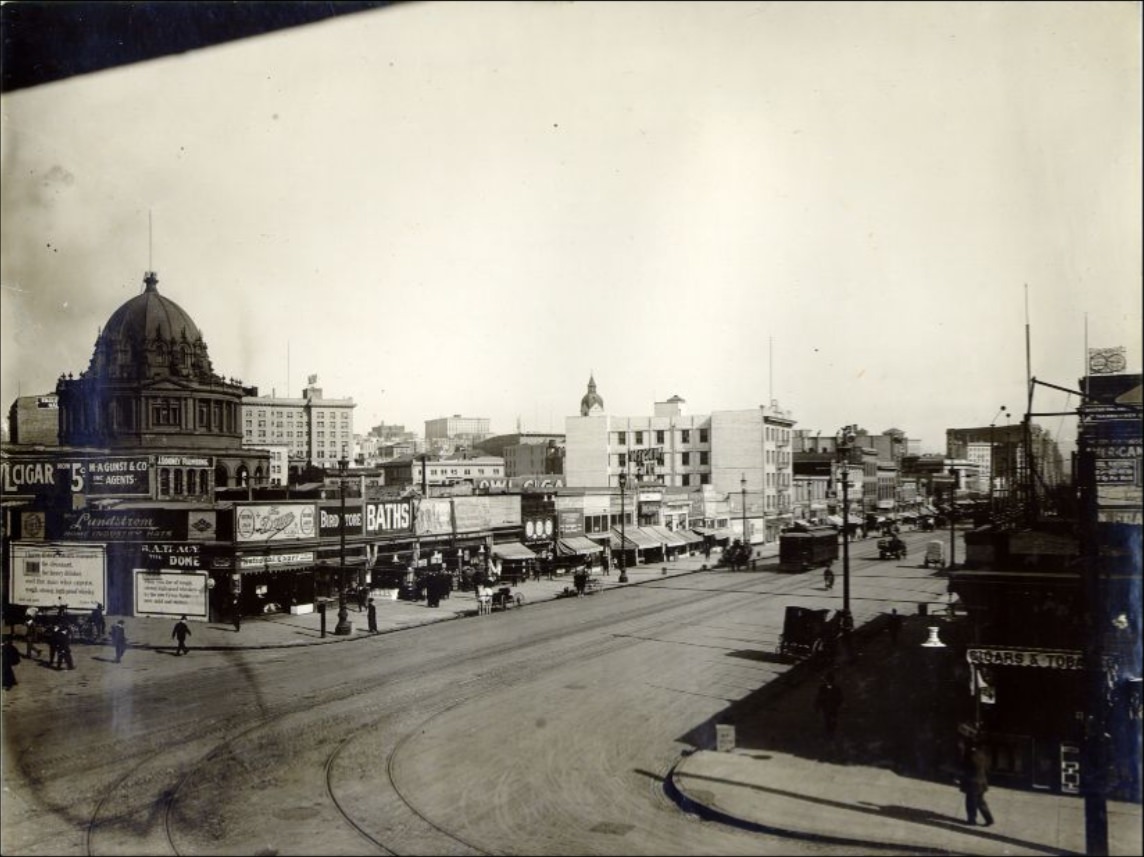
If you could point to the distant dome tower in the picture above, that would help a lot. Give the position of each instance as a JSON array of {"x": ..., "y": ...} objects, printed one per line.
[{"x": 591, "y": 405}]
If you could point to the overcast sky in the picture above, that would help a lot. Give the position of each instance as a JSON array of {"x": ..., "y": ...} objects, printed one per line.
[{"x": 468, "y": 209}]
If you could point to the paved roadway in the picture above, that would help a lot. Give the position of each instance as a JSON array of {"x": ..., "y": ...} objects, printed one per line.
[{"x": 544, "y": 730}]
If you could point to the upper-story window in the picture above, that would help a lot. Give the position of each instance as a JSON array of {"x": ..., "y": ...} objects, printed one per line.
[
  {"x": 703, "y": 435},
  {"x": 639, "y": 438},
  {"x": 686, "y": 435},
  {"x": 621, "y": 438},
  {"x": 659, "y": 437}
]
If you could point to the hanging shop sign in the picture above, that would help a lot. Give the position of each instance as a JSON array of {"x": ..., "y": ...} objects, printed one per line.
[
  {"x": 265, "y": 522},
  {"x": 1038, "y": 658}
]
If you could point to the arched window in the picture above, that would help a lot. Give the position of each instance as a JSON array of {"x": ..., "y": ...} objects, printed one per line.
[
  {"x": 204, "y": 481},
  {"x": 241, "y": 476},
  {"x": 221, "y": 477},
  {"x": 164, "y": 482},
  {"x": 178, "y": 481},
  {"x": 191, "y": 486},
  {"x": 258, "y": 475}
]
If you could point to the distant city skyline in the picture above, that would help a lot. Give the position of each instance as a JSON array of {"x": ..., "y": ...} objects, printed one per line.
[{"x": 853, "y": 209}]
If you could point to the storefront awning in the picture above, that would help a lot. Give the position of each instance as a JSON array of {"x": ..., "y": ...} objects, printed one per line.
[
  {"x": 716, "y": 533},
  {"x": 638, "y": 538},
  {"x": 669, "y": 538},
  {"x": 578, "y": 545},
  {"x": 690, "y": 537},
  {"x": 513, "y": 550}
]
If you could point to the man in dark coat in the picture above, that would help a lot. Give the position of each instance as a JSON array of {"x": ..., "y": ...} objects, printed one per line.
[
  {"x": 180, "y": 632},
  {"x": 119, "y": 640},
  {"x": 63, "y": 648},
  {"x": 974, "y": 783},
  {"x": 828, "y": 702},
  {"x": 97, "y": 621},
  {"x": 11, "y": 659},
  {"x": 894, "y": 626},
  {"x": 371, "y": 614}
]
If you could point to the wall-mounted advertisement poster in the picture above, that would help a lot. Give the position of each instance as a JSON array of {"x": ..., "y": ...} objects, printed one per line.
[
  {"x": 47, "y": 575},
  {"x": 275, "y": 522},
  {"x": 171, "y": 593}
]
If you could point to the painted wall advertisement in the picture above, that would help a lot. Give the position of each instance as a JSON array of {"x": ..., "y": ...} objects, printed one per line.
[
  {"x": 273, "y": 522},
  {"x": 113, "y": 476},
  {"x": 171, "y": 593},
  {"x": 47, "y": 575}
]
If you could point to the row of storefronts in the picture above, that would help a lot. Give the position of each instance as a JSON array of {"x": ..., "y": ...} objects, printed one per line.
[{"x": 145, "y": 558}]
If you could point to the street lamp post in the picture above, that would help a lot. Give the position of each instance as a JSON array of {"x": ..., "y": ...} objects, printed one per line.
[
  {"x": 623, "y": 531},
  {"x": 992, "y": 464},
  {"x": 846, "y": 438},
  {"x": 743, "y": 489},
  {"x": 343, "y": 627}
]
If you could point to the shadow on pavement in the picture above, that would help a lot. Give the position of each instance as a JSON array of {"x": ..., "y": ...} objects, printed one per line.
[{"x": 901, "y": 706}]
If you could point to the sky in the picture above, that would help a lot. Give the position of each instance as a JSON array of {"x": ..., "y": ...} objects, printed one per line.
[{"x": 862, "y": 211}]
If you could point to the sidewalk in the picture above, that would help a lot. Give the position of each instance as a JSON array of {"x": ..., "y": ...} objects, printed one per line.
[
  {"x": 285, "y": 630},
  {"x": 885, "y": 778}
]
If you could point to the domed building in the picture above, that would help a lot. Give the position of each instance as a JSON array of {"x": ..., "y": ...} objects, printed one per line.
[
  {"x": 592, "y": 404},
  {"x": 150, "y": 388}
]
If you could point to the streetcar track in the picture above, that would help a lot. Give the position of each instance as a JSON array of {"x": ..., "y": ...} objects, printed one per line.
[{"x": 504, "y": 673}]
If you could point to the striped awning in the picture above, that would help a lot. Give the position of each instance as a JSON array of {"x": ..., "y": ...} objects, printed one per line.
[
  {"x": 637, "y": 538},
  {"x": 669, "y": 537},
  {"x": 513, "y": 550},
  {"x": 578, "y": 545}
]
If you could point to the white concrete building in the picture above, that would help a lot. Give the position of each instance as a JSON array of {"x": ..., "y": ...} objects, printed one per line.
[{"x": 744, "y": 455}]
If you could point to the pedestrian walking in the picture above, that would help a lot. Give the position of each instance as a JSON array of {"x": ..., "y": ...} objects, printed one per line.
[
  {"x": 237, "y": 616},
  {"x": 894, "y": 626},
  {"x": 362, "y": 598},
  {"x": 371, "y": 615},
  {"x": 11, "y": 659},
  {"x": 828, "y": 576},
  {"x": 98, "y": 623},
  {"x": 974, "y": 783},
  {"x": 119, "y": 640},
  {"x": 180, "y": 632},
  {"x": 32, "y": 634},
  {"x": 53, "y": 640},
  {"x": 63, "y": 648},
  {"x": 828, "y": 702}
]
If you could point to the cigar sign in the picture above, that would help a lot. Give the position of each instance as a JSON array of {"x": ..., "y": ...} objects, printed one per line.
[{"x": 115, "y": 476}]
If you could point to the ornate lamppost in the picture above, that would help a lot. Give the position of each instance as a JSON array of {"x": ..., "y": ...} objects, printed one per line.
[
  {"x": 623, "y": 530},
  {"x": 845, "y": 443},
  {"x": 343, "y": 627}
]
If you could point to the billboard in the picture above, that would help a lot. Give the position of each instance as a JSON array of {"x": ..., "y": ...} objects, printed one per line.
[
  {"x": 47, "y": 575},
  {"x": 171, "y": 593},
  {"x": 275, "y": 522}
]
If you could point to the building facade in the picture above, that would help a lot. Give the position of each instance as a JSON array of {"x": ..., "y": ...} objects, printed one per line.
[{"x": 744, "y": 455}]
